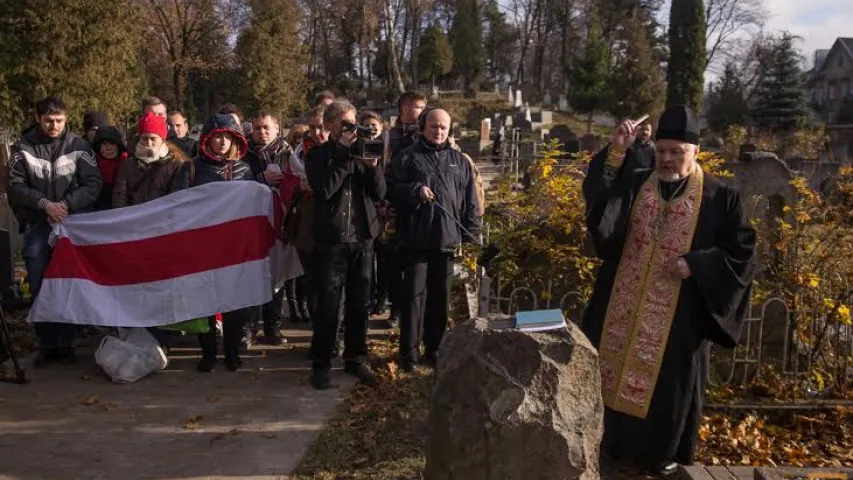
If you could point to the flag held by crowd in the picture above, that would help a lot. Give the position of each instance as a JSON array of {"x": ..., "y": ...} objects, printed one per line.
[{"x": 187, "y": 255}]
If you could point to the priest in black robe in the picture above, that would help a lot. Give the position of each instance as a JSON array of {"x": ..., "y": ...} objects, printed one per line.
[{"x": 677, "y": 269}]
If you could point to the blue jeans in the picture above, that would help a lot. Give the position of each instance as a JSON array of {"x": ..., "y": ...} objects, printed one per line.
[{"x": 52, "y": 337}]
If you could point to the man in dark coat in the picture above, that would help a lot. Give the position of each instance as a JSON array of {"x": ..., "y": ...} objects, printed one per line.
[
  {"x": 92, "y": 121},
  {"x": 434, "y": 193},
  {"x": 52, "y": 174},
  {"x": 404, "y": 133},
  {"x": 401, "y": 136},
  {"x": 678, "y": 265},
  {"x": 644, "y": 147},
  {"x": 345, "y": 189},
  {"x": 182, "y": 138},
  {"x": 268, "y": 156}
]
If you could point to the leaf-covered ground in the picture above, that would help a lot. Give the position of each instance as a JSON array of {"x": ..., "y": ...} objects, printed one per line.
[{"x": 381, "y": 434}]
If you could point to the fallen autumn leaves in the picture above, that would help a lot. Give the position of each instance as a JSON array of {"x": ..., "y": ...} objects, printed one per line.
[{"x": 790, "y": 437}]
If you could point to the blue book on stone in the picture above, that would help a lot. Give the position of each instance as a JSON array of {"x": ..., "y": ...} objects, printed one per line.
[{"x": 540, "y": 320}]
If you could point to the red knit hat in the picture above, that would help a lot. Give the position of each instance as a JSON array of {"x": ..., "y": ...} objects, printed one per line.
[{"x": 150, "y": 123}]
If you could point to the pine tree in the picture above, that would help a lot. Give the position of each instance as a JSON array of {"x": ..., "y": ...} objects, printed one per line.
[
  {"x": 780, "y": 94},
  {"x": 84, "y": 51},
  {"x": 435, "y": 57},
  {"x": 271, "y": 57},
  {"x": 466, "y": 40},
  {"x": 727, "y": 102},
  {"x": 588, "y": 76},
  {"x": 636, "y": 85},
  {"x": 686, "y": 70}
]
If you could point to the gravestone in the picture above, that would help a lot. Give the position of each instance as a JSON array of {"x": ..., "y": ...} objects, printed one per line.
[
  {"x": 513, "y": 405},
  {"x": 745, "y": 150},
  {"x": 435, "y": 91},
  {"x": 527, "y": 116},
  {"x": 566, "y": 137},
  {"x": 510, "y": 99},
  {"x": 590, "y": 143},
  {"x": 518, "y": 102},
  {"x": 546, "y": 100},
  {"x": 563, "y": 104},
  {"x": 485, "y": 129},
  {"x": 485, "y": 133}
]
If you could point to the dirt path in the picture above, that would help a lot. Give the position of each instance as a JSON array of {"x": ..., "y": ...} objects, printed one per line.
[{"x": 72, "y": 423}]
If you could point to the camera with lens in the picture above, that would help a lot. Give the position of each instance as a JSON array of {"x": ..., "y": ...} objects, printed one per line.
[{"x": 364, "y": 146}]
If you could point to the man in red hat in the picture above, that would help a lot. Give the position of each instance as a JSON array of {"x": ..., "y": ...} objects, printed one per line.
[{"x": 149, "y": 174}]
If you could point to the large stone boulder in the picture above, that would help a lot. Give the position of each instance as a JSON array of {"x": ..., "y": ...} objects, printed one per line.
[{"x": 513, "y": 405}]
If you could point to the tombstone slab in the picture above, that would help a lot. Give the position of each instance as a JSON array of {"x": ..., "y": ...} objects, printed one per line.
[{"x": 589, "y": 143}]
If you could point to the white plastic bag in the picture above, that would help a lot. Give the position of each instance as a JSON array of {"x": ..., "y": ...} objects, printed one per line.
[{"x": 135, "y": 356}]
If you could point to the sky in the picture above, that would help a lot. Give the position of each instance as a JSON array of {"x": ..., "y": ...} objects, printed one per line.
[{"x": 817, "y": 22}]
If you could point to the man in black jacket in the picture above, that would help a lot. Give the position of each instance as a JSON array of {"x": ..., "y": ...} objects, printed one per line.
[
  {"x": 402, "y": 135},
  {"x": 405, "y": 132},
  {"x": 644, "y": 147},
  {"x": 178, "y": 122},
  {"x": 433, "y": 191},
  {"x": 52, "y": 174},
  {"x": 345, "y": 191},
  {"x": 267, "y": 148}
]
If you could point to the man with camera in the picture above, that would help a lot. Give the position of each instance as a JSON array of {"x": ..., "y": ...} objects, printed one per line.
[
  {"x": 404, "y": 133},
  {"x": 434, "y": 193},
  {"x": 345, "y": 187}
]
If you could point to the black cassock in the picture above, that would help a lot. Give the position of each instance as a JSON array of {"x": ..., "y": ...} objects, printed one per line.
[{"x": 711, "y": 306}]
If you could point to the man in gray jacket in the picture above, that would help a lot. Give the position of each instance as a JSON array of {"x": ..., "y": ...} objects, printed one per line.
[{"x": 52, "y": 174}]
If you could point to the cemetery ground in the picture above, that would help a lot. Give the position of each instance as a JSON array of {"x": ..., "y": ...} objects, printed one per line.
[{"x": 266, "y": 422}]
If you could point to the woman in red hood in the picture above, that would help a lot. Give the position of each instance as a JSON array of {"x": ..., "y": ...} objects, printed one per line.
[{"x": 220, "y": 150}]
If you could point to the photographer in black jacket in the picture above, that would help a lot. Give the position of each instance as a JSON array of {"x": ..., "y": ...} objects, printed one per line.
[
  {"x": 432, "y": 188},
  {"x": 345, "y": 191}
]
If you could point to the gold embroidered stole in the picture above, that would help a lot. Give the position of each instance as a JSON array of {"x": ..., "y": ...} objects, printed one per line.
[{"x": 645, "y": 296}]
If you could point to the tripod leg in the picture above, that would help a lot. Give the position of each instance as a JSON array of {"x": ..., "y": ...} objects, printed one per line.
[{"x": 20, "y": 376}]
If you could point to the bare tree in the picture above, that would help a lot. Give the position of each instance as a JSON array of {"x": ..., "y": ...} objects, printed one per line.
[
  {"x": 193, "y": 35},
  {"x": 390, "y": 23},
  {"x": 725, "y": 23}
]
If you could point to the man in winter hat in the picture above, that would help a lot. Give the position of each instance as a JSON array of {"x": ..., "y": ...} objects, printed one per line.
[
  {"x": 92, "y": 121},
  {"x": 151, "y": 171}
]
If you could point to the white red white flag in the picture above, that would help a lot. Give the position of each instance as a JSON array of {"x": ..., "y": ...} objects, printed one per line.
[{"x": 187, "y": 255}]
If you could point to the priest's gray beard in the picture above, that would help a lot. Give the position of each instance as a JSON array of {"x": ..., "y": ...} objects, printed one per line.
[{"x": 150, "y": 155}]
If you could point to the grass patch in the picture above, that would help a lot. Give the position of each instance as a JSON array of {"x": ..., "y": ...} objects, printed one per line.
[{"x": 377, "y": 433}]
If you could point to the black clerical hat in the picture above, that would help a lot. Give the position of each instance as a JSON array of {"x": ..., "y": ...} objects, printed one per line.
[{"x": 678, "y": 122}]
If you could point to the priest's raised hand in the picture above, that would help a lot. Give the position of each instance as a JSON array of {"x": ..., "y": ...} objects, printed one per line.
[{"x": 624, "y": 136}]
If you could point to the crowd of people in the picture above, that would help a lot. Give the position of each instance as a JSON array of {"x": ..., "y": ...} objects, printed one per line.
[{"x": 369, "y": 229}]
